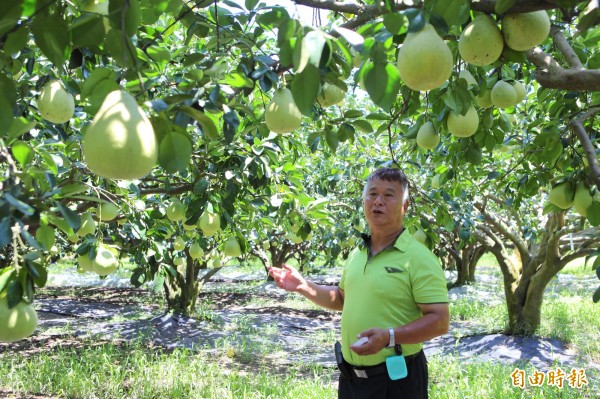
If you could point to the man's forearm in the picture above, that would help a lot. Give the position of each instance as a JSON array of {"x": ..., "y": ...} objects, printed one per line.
[
  {"x": 429, "y": 326},
  {"x": 323, "y": 295}
]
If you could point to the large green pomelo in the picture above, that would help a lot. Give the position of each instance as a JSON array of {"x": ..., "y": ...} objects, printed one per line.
[
  {"x": 330, "y": 95},
  {"x": 562, "y": 195},
  {"x": 232, "y": 248},
  {"x": 484, "y": 100},
  {"x": 420, "y": 236},
  {"x": 210, "y": 223},
  {"x": 427, "y": 138},
  {"x": 176, "y": 210},
  {"x": 503, "y": 95},
  {"x": 105, "y": 262},
  {"x": 463, "y": 125},
  {"x": 282, "y": 114},
  {"x": 16, "y": 323},
  {"x": 107, "y": 211},
  {"x": 120, "y": 143},
  {"x": 55, "y": 103},
  {"x": 481, "y": 42},
  {"x": 582, "y": 199},
  {"x": 424, "y": 60},
  {"x": 520, "y": 90},
  {"x": 526, "y": 30}
]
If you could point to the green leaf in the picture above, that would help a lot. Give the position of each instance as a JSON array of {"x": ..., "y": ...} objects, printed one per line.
[
  {"x": 416, "y": 19},
  {"x": 395, "y": 23},
  {"x": 353, "y": 38},
  {"x": 88, "y": 30},
  {"x": 21, "y": 206},
  {"x": 8, "y": 100},
  {"x": 332, "y": 139},
  {"x": 237, "y": 79},
  {"x": 124, "y": 15},
  {"x": 309, "y": 51},
  {"x": 5, "y": 232},
  {"x": 22, "y": 152},
  {"x": 5, "y": 277},
  {"x": 72, "y": 218},
  {"x": 596, "y": 296},
  {"x": 17, "y": 40},
  {"x": 51, "y": 34},
  {"x": 503, "y": 6},
  {"x": 206, "y": 123},
  {"x": 305, "y": 88},
  {"x": 175, "y": 151},
  {"x": 38, "y": 273},
  {"x": 97, "y": 86},
  {"x": 454, "y": 12},
  {"x": 362, "y": 125},
  {"x": 20, "y": 126},
  {"x": 383, "y": 84},
  {"x": 121, "y": 48},
  {"x": 593, "y": 214},
  {"x": 11, "y": 12}
]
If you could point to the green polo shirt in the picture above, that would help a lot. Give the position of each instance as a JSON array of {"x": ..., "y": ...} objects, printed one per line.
[{"x": 384, "y": 291}]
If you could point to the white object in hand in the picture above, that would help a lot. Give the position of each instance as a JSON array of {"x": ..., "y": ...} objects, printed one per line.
[{"x": 361, "y": 341}]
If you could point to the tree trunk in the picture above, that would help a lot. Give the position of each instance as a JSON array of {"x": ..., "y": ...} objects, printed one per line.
[
  {"x": 181, "y": 290},
  {"x": 466, "y": 263}
]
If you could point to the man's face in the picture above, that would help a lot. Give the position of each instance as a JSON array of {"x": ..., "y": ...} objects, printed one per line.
[{"x": 383, "y": 204}]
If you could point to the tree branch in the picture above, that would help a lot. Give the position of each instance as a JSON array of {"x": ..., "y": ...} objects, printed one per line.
[
  {"x": 565, "y": 48},
  {"x": 550, "y": 74},
  {"x": 588, "y": 146}
]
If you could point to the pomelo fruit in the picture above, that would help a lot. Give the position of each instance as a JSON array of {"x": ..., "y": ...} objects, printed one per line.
[
  {"x": 331, "y": 95},
  {"x": 175, "y": 210},
  {"x": 55, "y": 103},
  {"x": 503, "y": 95},
  {"x": 106, "y": 261},
  {"x": 526, "y": 30},
  {"x": 232, "y": 247},
  {"x": 463, "y": 125},
  {"x": 18, "y": 322},
  {"x": 520, "y": 90},
  {"x": 178, "y": 243},
  {"x": 120, "y": 142},
  {"x": 420, "y": 236},
  {"x": 484, "y": 100},
  {"x": 196, "y": 251},
  {"x": 427, "y": 138},
  {"x": 107, "y": 211},
  {"x": 210, "y": 223},
  {"x": 282, "y": 114},
  {"x": 85, "y": 264},
  {"x": 582, "y": 199},
  {"x": 424, "y": 60},
  {"x": 562, "y": 195},
  {"x": 481, "y": 42}
]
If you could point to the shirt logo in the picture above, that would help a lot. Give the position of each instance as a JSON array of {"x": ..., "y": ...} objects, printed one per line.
[{"x": 390, "y": 269}]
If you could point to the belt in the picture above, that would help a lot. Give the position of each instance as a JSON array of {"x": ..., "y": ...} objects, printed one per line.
[{"x": 378, "y": 369}]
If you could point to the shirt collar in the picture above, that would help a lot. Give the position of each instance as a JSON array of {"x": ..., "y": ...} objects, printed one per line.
[{"x": 401, "y": 242}]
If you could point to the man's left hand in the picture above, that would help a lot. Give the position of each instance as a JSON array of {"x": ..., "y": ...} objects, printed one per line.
[{"x": 378, "y": 339}]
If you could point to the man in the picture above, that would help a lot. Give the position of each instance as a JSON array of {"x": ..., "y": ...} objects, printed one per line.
[{"x": 392, "y": 293}]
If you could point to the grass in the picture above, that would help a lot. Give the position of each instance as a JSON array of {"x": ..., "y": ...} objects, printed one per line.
[
  {"x": 136, "y": 371},
  {"x": 239, "y": 367}
]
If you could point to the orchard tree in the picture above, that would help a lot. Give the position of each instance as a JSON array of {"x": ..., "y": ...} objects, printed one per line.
[{"x": 144, "y": 104}]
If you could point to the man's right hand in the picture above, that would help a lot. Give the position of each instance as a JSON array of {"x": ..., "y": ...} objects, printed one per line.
[{"x": 287, "y": 277}]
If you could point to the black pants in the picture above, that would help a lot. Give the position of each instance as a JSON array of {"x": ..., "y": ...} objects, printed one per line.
[{"x": 414, "y": 386}]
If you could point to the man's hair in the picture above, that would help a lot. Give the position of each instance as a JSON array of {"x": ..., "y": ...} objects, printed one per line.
[{"x": 390, "y": 174}]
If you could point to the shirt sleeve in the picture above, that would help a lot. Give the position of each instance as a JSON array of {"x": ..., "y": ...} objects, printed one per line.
[{"x": 429, "y": 282}]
